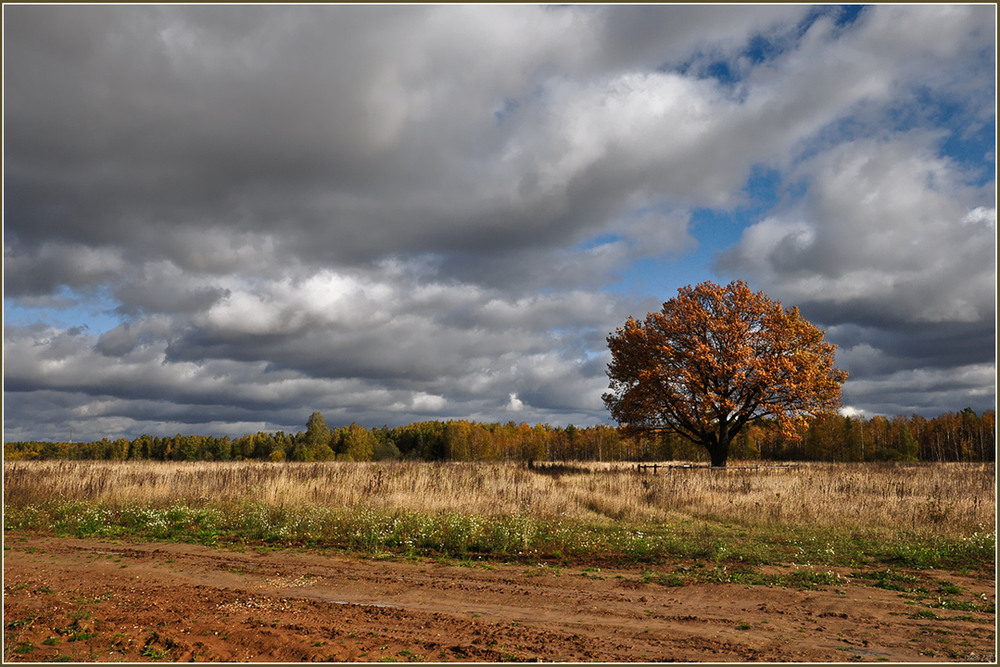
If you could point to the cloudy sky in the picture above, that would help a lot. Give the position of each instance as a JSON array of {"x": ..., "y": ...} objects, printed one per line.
[{"x": 218, "y": 219}]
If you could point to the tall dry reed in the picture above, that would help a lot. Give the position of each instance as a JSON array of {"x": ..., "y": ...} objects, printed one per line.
[{"x": 950, "y": 499}]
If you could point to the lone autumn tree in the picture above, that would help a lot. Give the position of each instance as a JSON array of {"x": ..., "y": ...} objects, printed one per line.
[{"x": 714, "y": 360}]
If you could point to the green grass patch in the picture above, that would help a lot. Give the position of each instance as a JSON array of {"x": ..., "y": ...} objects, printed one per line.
[
  {"x": 741, "y": 574},
  {"x": 889, "y": 579},
  {"x": 948, "y": 588},
  {"x": 154, "y": 654},
  {"x": 733, "y": 549},
  {"x": 985, "y": 607},
  {"x": 21, "y": 622}
]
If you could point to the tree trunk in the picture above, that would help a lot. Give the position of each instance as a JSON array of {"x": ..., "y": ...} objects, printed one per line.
[{"x": 719, "y": 452}]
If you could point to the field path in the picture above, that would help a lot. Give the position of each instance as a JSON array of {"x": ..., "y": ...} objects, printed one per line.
[{"x": 89, "y": 600}]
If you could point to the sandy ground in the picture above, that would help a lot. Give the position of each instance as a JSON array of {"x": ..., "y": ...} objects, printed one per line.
[{"x": 85, "y": 600}]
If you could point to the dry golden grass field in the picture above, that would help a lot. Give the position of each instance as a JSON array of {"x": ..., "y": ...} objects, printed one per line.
[{"x": 946, "y": 499}]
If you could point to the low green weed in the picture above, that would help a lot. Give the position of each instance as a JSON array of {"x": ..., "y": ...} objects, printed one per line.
[
  {"x": 948, "y": 588},
  {"x": 987, "y": 607},
  {"x": 154, "y": 654},
  {"x": 888, "y": 579}
]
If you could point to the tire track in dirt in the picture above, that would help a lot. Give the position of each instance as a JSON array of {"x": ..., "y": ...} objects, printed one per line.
[{"x": 98, "y": 601}]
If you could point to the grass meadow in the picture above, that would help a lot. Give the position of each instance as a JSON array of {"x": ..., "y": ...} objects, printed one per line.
[{"x": 850, "y": 515}]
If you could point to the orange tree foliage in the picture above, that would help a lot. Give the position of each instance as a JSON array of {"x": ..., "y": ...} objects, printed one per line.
[{"x": 715, "y": 359}]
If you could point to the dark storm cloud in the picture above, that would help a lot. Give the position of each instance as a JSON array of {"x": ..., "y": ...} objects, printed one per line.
[
  {"x": 924, "y": 391},
  {"x": 314, "y": 127},
  {"x": 43, "y": 269},
  {"x": 171, "y": 119}
]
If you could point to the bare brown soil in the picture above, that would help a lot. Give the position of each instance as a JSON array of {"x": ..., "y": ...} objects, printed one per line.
[{"x": 87, "y": 600}]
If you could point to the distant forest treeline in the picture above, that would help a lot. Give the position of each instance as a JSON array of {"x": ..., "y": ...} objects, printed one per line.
[{"x": 963, "y": 436}]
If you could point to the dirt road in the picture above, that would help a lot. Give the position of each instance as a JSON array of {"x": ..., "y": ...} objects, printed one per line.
[{"x": 101, "y": 601}]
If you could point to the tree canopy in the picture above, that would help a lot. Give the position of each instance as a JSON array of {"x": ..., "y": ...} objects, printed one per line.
[
  {"x": 715, "y": 359},
  {"x": 961, "y": 436}
]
